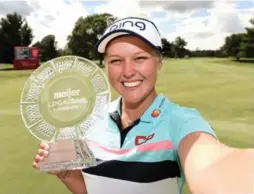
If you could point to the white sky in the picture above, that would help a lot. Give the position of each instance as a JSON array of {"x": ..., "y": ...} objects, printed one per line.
[{"x": 203, "y": 24}]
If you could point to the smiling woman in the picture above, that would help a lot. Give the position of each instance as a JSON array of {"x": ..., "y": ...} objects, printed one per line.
[
  {"x": 132, "y": 71},
  {"x": 150, "y": 144}
]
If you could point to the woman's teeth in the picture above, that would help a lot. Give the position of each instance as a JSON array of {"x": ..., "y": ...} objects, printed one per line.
[{"x": 131, "y": 84}]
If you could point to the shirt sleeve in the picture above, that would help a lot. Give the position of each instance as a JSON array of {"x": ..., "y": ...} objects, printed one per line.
[{"x": 187, "y": 121}]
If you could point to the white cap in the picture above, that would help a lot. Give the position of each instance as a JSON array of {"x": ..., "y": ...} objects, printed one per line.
[{"x": 140, "y": 27}]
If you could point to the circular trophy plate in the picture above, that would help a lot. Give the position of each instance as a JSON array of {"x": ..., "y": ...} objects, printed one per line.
[{"x": 64, "y": 98}]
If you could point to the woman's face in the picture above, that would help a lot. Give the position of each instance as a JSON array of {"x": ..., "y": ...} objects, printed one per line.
[{"x": 132, "y": 68}]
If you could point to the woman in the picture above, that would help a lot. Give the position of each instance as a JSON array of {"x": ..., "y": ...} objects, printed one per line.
[{"x": 157, "y": 145}]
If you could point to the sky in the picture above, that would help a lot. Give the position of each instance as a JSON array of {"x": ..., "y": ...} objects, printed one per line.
[{"x": 203, "y": 24}]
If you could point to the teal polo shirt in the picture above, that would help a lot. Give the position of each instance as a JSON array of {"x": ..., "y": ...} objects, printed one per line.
[{"x": 143, "y": 158}]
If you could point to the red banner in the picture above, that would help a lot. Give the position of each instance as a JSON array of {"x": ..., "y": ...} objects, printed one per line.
[{"x": 26, "y": 57}]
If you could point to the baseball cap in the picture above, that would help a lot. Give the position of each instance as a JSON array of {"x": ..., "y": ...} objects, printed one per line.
[{"x": 139, "y": 27}]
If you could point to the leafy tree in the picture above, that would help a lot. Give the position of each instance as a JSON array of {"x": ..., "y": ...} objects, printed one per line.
[
  {"x": 247, "y": 44},
  {"x": 47, "y": 48},
  {"x": 26, "y": 35},
  {"x": 175, "y": 49},
  {"x": 168, "y": 48},
  {"x": 67, "y": 51},
  {"x": 86, "y": 33},
  {"x": 14, "y": 31},
  {"x": 179, "y": 47},
  {"x": 63, "y": 52},
  {"x": 232, "y": 44},
  {"x": 240, "y": 45},
  {"x": 207, "y": 53},
  {"x": 37, "y": 44}
]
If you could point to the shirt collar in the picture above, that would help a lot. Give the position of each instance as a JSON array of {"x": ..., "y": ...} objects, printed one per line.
[{"x": 152, "y": 114}]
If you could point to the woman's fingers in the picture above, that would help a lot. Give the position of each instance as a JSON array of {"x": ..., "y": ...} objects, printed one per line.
[
  {"x": 38, "y": 158},
  {"x": 35, "y": 165},
  {"x": 44, "y": 146},
  {"x": 43, "y": 153}
]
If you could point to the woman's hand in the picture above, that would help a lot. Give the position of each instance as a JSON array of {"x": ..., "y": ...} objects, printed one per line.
[
  {"x": 39, "y": 157},
  {"x": 73, "y": 179}
]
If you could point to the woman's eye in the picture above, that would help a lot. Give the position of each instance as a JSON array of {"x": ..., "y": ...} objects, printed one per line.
[
  {"x": 140, "y": 58},
  {"x": 114, "y": 61}
]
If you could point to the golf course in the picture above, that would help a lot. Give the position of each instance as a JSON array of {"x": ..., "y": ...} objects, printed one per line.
[{"x": 220, "y": 88}]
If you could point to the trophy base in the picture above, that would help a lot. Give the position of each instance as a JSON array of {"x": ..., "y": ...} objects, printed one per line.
[{"x": 67, "y": 155}]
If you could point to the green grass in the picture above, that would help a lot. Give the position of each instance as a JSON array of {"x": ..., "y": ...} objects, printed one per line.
[{"x": 222, "y": 90}]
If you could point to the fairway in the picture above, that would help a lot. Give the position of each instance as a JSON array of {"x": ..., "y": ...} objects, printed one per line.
[{"x": 222, "y": 90}]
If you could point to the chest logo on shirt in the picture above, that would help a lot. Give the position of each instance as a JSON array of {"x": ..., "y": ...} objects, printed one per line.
[
  {"x": 155, "y": 113},
  {"x": 143, "y": 139}
]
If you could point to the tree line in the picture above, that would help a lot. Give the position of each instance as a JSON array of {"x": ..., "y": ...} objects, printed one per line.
[
  {"x": 15, "y": 31},
  {"x": 240, "y": 45}
]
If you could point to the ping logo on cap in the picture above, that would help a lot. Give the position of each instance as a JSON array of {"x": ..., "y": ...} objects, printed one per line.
[{"x": 123, "y": 24}]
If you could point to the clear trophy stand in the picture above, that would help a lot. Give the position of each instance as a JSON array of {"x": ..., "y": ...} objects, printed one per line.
[{"x": 61, "y": 102}]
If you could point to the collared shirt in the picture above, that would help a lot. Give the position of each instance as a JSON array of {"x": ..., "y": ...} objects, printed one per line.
[{"x": 144, "y": 157}]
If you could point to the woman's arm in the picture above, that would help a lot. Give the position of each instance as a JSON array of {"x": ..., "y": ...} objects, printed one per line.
[
  {"x": 74, "y": 181},
  {"x": 211, "y": 167}
]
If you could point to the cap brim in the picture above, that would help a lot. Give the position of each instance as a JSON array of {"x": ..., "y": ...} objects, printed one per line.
[{"x": 102, "y": 43}]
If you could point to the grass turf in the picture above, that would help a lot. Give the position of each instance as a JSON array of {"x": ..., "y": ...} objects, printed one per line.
[{"x": 222, "y": 90}]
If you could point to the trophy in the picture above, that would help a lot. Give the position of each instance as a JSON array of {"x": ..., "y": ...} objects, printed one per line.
[{"x": 62, "y": 101}]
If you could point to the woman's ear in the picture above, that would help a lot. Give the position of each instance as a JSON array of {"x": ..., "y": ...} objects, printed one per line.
[{"x": 160, "y": 59}]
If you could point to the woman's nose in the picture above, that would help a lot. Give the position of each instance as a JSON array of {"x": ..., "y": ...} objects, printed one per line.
[{"x": 128, "y": 69}]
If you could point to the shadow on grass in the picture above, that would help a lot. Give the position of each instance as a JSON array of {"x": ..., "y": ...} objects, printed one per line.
[
  {"x": 234, "y": 62},
  {"x": 7, "y": 69},
  {"x": 244, "y": 60},
  {"x": 10, "y": 68}
]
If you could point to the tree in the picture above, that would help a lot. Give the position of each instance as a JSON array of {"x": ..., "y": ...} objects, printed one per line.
[
  {"x": 247, "y": 44},
  {"x": 232, "y": 44},
  {"x": 14, "y": 31},
  {"x": 168, "y": 48},
  {"x": 26, "y": 35},
  {"x": 179, "y": 47},
  {"x": 37, "y": 44},
  {"x": 47, "y": 48},
  {"x": 86, "y": 33},
  {"x": 67, "y": 51},
  {"x": 206, "y": 53}
]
